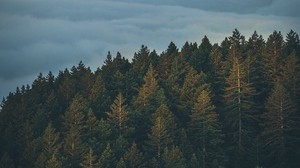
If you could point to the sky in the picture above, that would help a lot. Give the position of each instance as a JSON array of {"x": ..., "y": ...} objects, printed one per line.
[{"x": 51, "y": 35}]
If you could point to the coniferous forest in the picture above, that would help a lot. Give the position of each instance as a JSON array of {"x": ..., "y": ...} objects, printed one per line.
[{"x": 235, "y": 104}]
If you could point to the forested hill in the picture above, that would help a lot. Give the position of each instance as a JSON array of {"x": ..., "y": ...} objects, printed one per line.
[{"x": 234, "y": 105}]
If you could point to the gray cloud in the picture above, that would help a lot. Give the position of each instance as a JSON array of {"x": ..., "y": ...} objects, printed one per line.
[{"x": 38, "y": 36}]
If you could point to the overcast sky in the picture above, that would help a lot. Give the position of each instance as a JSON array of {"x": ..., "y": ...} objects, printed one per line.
[{"x": 51, "y": 35}]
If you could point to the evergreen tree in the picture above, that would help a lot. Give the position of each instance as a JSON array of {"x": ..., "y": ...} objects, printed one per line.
[
  {"x": 74, "y": 124},
  {"x": 133, "y": 157},
  {"x": 118, "y": 116},
  {"x": 121, "y": 163},
  {"x": 89, "y": 160},
  {"x": 292, "y": 43},
  {"x": 107, "y": 158},
  {"x": 166, "y": 60},
  {"x": 206, "y": 130},
  {"x": 273, "y": 57},
  {"x": 280, "y": 129},
  {"x": 239, "y": 105},
  {"x": 54, "y": 161},
  {"x": 291, "y": 75},
  {"x": 188, "y": 94},
  {"x": 148, "y": 89},
  {"x": 162, "y": 132},
  {"x": 50, "y": 144},
  {"x": 173, "y": 158},
  {"x": 200, "y": 59},
  {"x": 144, "y": 105}
]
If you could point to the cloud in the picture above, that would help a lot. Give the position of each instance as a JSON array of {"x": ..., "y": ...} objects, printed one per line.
[{"x": 39, "y": 36}]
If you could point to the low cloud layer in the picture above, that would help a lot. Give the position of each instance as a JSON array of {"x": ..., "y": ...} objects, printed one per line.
[{"x": 41, "y": 36}]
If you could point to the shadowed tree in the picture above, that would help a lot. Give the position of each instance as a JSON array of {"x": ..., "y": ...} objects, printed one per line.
[
  {"x": 74, "y": 125},
  {"x": 89, "y": 160},
  {"x": 206, "y": 130},
  {"x": 107, "y": 158},
  {"x": 280, "y": 129},
  {"x": 133, "y": 157},
  {"x": 238, "y": 100},
  {"x": 162, "y": 132},
  {"x": 173, "y": 158}
]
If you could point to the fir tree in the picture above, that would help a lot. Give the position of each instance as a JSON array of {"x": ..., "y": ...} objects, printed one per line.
[
  {"x": 173, "y": 158},
  {"x": 89, "y": 160},
  {"x": 74, "y": 124},
  {"x": 238, "y": 99},
  {"x": 206, "y": 130},
  {"x": 162, "y": 132},
  {"x": 133, "y": 157},
  {"x": 107, "y": 158},
  {"x": 118, "y": 116},
  {"x": 280, "y": 128}
]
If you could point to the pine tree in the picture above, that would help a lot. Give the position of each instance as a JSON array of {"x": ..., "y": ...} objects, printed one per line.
[
  {"x": 200, "y": 59},
  {"x": 50, "y": 140},
  {"x": 107, "y": 158},
  {"x": 74, "y": 124},
  {"x": 291, "y": 75},
  {"x": 173, "y": 158},
  {"x": 238, "y": 98},
  {"x": 54, "y": 161},
  {"x": 188, "y": 94},
  {"x": 273, "y": 57},
  {"x": 121, "y": 163},
  {"x": 118, "y": 116},
  {"x": 206, "y": 130},
  {"x": 280, "y": 129},
  {"x": 140, "y": 64},
  {"x": 89, "y": 160},
  {"x": 148, "y": 89},
  {"x": 162, "y": 132},
  {"x": 133, "y": 157},
  {"x": 144, "y": 105},
  {"x": 50, "y": 144},
  {"x": 166, "y": 60},
  {"x": 292, "y": 43}
]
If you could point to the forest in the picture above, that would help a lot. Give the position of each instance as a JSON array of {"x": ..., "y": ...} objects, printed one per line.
[{"x": 235, "y": 104}]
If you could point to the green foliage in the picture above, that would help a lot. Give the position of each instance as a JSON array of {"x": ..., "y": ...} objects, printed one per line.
[
  {"x": 173, "y": 158},
  {"x": 206, "y": 131},
  {"x": 89, "y": 160},
  {"x": 74, "y": 125},
  {"x": 162, "y": 132},
  {"x": 228, "y": 105},
  {"x": 280, "y": 127},
  {"x": 107, "y": 158},
  {"x": 118, "y": 116},
  {"x": 133, "y": 157},
  {"x": 54, "y": 162}
]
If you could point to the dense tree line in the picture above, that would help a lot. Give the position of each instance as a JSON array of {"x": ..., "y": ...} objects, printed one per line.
[{"x": 236, "y": 104}]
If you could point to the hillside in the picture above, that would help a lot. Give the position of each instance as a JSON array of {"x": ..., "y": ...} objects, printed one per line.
[{"x": 230, "y": 105}]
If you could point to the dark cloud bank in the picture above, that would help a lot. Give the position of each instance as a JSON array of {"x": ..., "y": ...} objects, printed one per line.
[{"x": 39, "y": 36}]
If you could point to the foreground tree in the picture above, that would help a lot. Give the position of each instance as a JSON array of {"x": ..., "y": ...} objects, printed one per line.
[
  {"x": 162, "y": 132},
  {"x": 280, "y": 129},
  {"x": 206, "y": 131},
  {"x": 74, "y": 125},
  {"x": 238, "y": 100}
]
